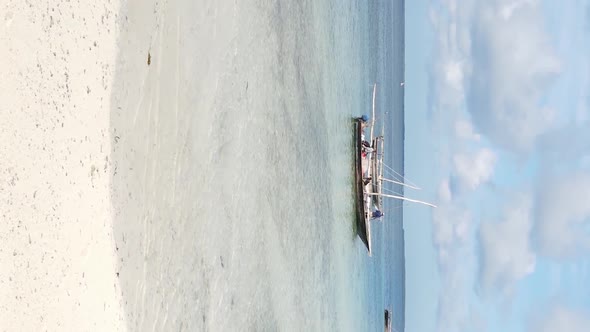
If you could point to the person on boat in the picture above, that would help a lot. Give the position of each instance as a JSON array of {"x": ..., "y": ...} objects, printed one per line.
[
  {"x": 377, "y": 214},
  {"x": 366, "y": 149},
  {"x": 363, "y": 118}
]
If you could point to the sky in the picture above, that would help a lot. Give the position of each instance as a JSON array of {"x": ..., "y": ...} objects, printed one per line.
[{"x": 497, "y": 97}]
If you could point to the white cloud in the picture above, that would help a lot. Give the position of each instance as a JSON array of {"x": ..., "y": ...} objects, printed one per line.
[
  {"x": 561, "y": 318},
  {"x": 492, "y": 63},
  {"x": 464, "y": 130},
  {"x": 494, "y": 58},
  {"x": 563, "y": 216},
  {"x": 444, "y": 192},
  {"x": 451, "y": 224},
  {"x": 513, "y": 65},
  {"x": 474, "y": 169},
  {"x": 507, "y": 254},
  {"x": 581, "y": 64},
  {"x": 451, "y": 65},
  {"x": 453, "y": 238},
  {"x": 507, "y": 9}
]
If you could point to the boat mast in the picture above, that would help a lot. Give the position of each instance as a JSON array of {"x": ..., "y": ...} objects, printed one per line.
[
  {"x": 402, "y": 198},
  {"x": 373, "y": 115}
]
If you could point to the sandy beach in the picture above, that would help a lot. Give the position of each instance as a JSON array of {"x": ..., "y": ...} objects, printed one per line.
[{"x": 58, "y": 268}]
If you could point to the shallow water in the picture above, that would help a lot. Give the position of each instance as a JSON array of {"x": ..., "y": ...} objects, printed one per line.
[{"x": 232, "y": 166}]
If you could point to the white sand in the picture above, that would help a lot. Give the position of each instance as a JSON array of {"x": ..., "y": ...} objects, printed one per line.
[{"x": 57, "y": 255}]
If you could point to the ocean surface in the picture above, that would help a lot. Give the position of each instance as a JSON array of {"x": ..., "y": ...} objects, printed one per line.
[{"x": 232, "y": 148}]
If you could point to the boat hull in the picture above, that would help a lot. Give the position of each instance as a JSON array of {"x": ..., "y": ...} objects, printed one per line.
[{"x": 362, "y": 215}]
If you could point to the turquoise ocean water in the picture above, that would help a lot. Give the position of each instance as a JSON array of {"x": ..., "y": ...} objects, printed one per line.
[{"x": 233, "y": 164}]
